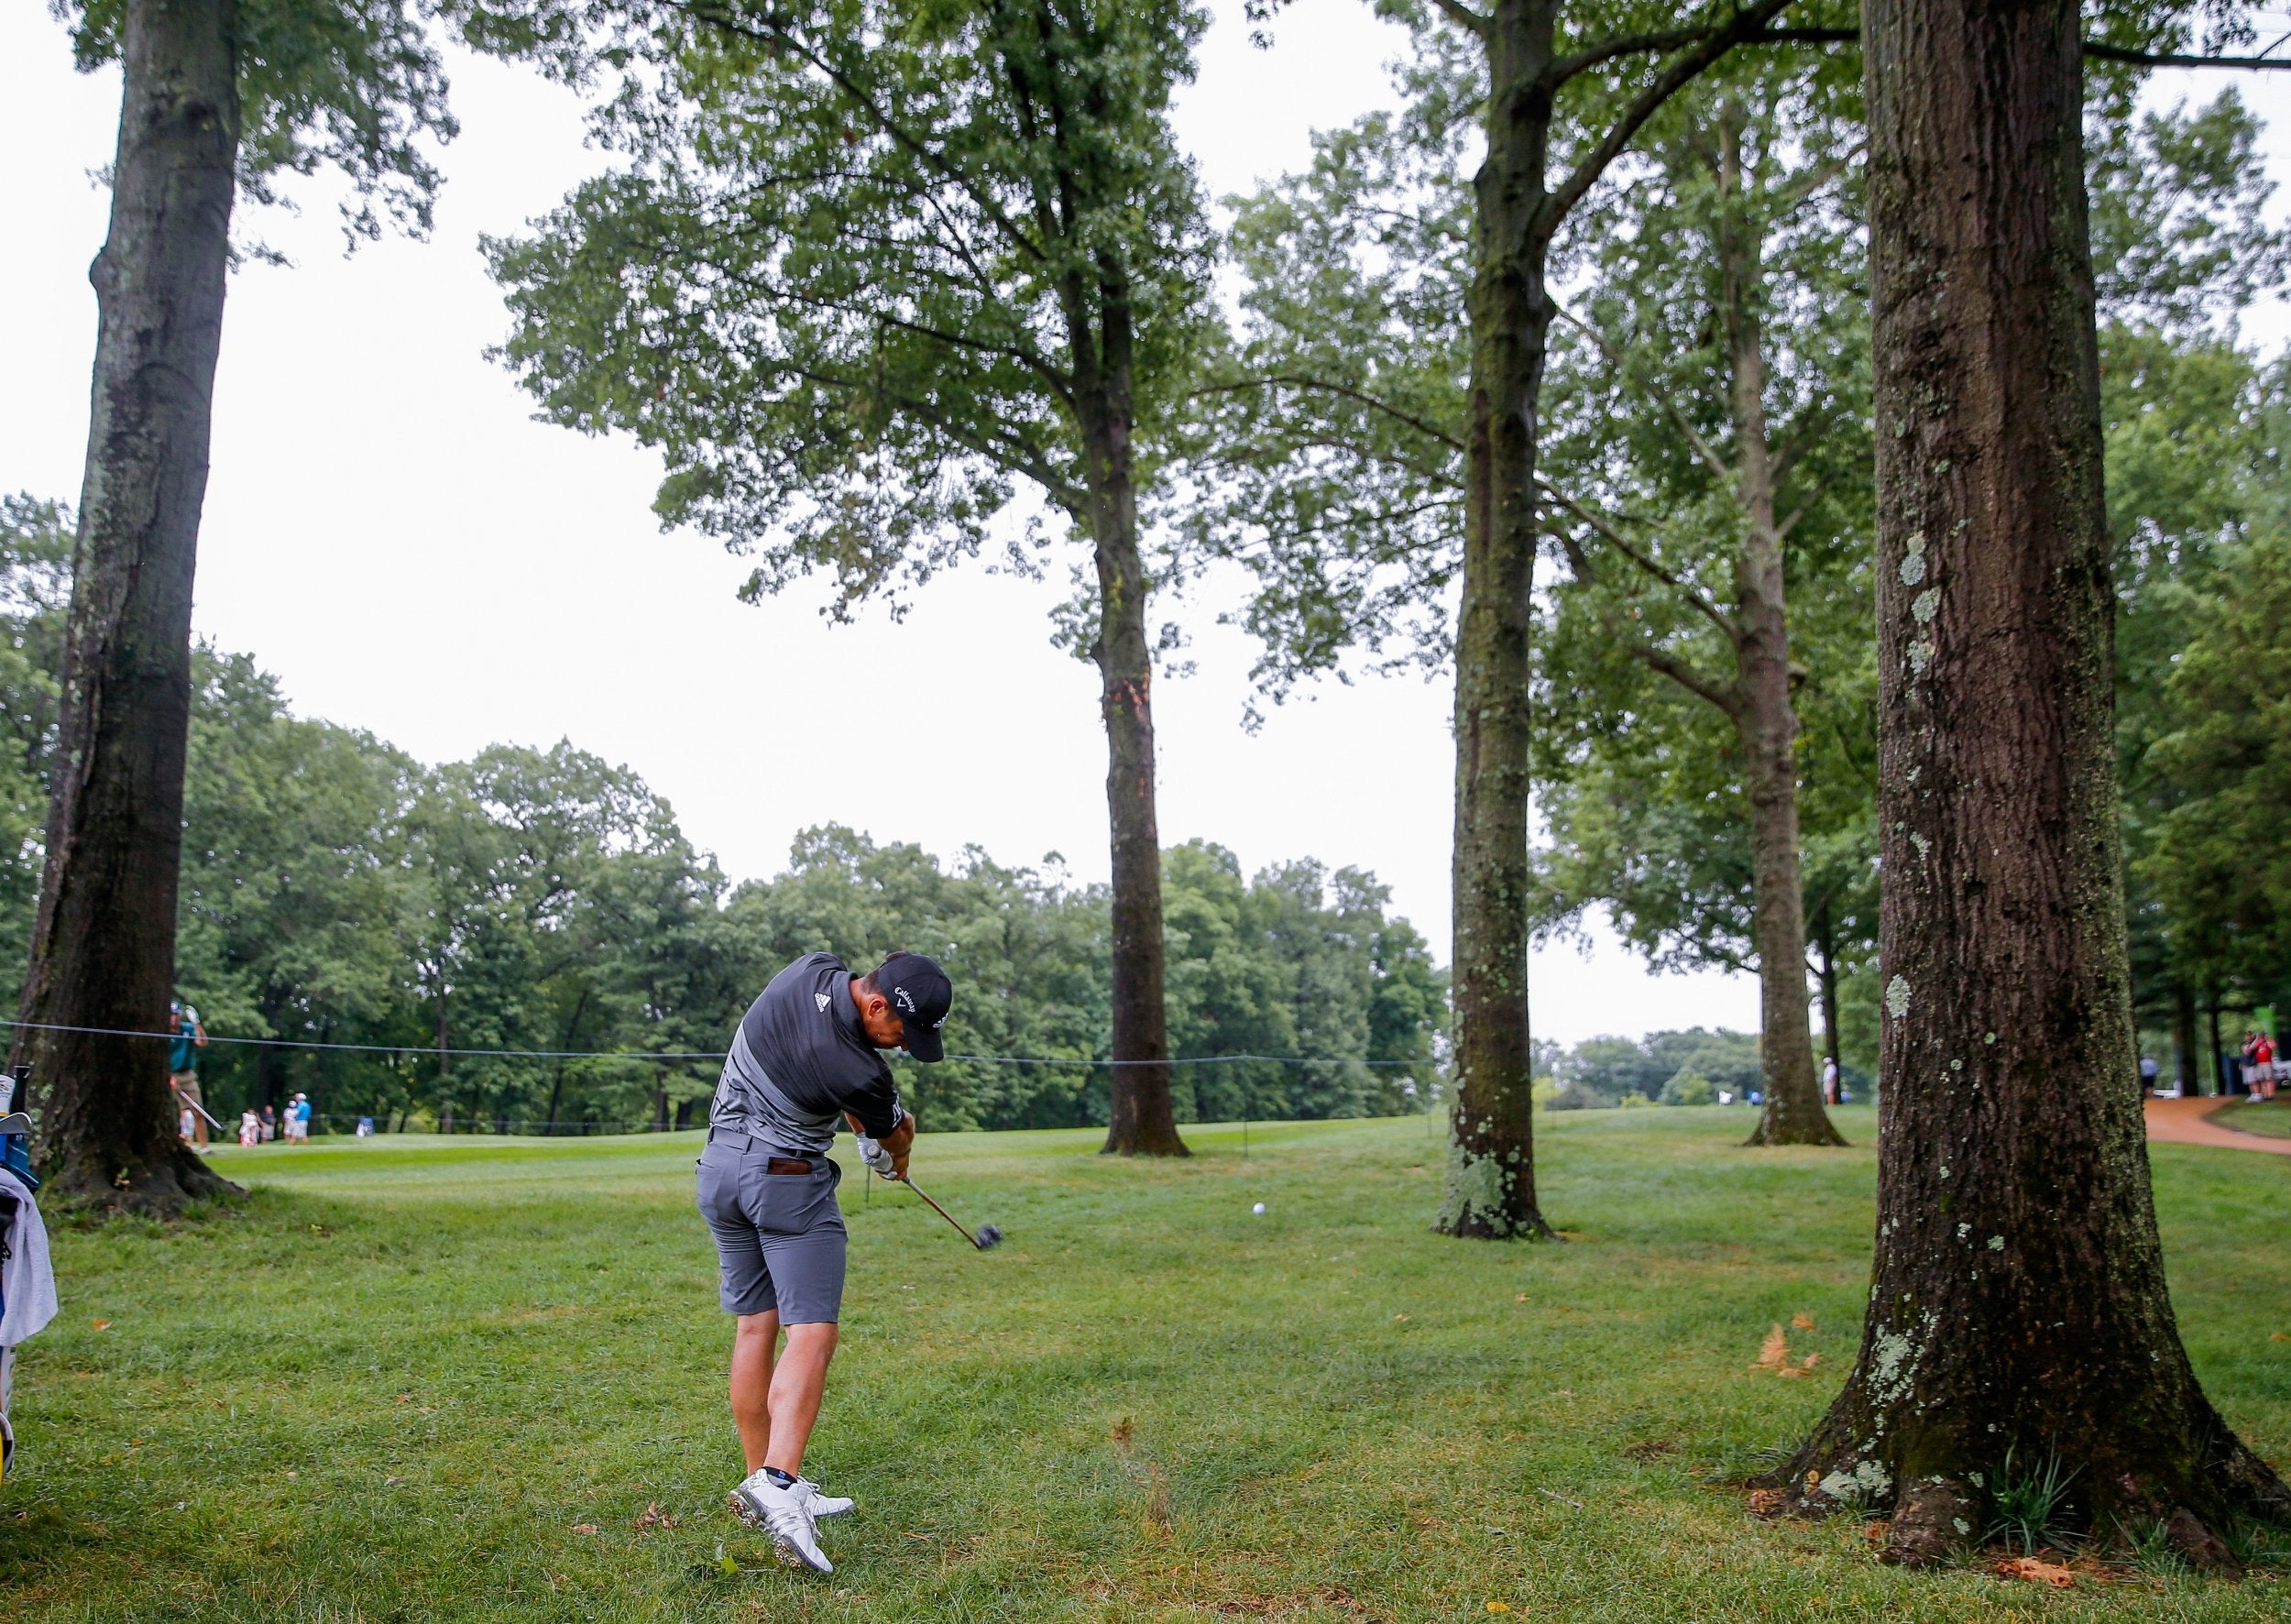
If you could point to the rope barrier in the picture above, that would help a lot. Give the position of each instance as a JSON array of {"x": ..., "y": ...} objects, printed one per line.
[{"x": 611, "y": 1054}]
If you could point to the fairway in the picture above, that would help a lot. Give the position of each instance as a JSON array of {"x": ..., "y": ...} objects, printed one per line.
[{"x": 422, "y": 1379}]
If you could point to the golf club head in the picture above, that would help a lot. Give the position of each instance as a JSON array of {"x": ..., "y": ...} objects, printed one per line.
[{"x": 989, "y": 1237}]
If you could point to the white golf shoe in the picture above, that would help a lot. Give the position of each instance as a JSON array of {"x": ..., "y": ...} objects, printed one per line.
[
  {"x": 785, "y": 1514},
  {"x": 823, "y": 1505}
]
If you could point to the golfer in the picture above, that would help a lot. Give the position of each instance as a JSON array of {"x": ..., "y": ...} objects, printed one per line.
[
  {"x": 185, "y": 1038},
  {"x": 802, "y": 1062}
]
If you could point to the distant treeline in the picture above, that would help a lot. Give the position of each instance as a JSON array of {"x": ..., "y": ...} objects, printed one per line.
[
  {"x": 336, "y": 890},
  {"x": 1690, "y": 1067}
]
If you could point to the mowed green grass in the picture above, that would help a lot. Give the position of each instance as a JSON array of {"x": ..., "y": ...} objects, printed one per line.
[
  {"x": 406, "y": 1380},
  {"x": 2272, "y": 1117}
]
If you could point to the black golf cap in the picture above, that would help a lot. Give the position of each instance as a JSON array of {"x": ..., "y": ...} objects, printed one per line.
[{"x": 921, "y": 996}]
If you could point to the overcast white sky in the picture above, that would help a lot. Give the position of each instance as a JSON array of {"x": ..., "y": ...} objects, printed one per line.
[{"x": 387, "y": 530}]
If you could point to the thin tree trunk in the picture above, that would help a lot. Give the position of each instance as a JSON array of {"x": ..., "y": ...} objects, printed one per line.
[
  {"x": 1141, "y": 1117},
  {"x": 445, "y": 1061},
  {"x": 103, "y": 938},
  {"x": 557, "y": 1087},
  {"x": 1764, "y": 717},
  {"x": 1825, "y": 950},
  {"x": 2018, "y": 1314},
  {"x": 1794, "y": 1113},
  {"x": 2183, "y": 1039},
  {"x": 1489, "y": 1190}
]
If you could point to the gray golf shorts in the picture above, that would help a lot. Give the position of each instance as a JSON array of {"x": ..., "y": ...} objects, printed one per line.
[{"x": 779, "y": 1236}]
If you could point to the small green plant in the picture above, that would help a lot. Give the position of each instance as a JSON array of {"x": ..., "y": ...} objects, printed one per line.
[
  {"x": 1736, "y": 1462},
  {"x": 2153, "y": 1555},
  {"x": 2025, "y": 1508},
  {"x": 2255, "y": 1545}
]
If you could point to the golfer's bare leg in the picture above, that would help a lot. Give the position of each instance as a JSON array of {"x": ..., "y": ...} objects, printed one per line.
[
  {"x": 752, "y": 1383},
  {"x": 798, "y": 1387}
]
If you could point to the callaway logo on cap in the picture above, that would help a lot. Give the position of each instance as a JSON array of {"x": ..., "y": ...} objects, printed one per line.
[{"x": 918, "y": 989}]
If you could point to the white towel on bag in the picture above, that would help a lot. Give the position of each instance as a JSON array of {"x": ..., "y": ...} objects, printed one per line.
[{"x": 28, "y": 1282}]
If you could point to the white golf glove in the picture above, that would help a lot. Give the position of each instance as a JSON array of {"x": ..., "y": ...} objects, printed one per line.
[{"x": 877, "y": 1158}]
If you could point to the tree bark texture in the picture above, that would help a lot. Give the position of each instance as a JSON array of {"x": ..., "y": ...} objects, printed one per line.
[
  {"x": 1489, "y": 1191},
  {"x": 1141, "y": 1117},
  {"x": 104, "y": 937},
  {"x": 2018, "y": 1313},
  {"x": 1765, "y": 718}
]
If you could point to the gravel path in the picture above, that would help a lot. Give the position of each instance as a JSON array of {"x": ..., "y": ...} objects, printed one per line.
[{"x": 2188, "y": 1122}]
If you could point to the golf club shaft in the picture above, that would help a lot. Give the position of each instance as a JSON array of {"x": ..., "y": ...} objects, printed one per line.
[{"x": 942, "y": 1212}]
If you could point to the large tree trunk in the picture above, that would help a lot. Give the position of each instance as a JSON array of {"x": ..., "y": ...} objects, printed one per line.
[
  {"x": 1489, "y": 1190},
  {"x": 2019, "y": 1312},
  {"x": 104, "y": 939},
  {"x": 1140, "y": 1119},
  {"x": 1764, "y": 716}
]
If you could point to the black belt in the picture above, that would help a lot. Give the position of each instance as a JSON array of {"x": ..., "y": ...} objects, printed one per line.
[{"x": 750, "y": 1145}]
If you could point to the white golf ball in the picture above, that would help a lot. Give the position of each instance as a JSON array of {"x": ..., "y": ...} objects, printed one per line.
[{"x": 1258, "y": 1209}]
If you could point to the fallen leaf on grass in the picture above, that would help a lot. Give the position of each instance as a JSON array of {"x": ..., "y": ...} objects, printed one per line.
[
  {"x": 1766, "y": 1502},
  {"x": 103, "y": 1324},
  {"x": 1499, "y": 1607},
  {"x": 1521, "y": 1298},
  {"x": 1774, "y": 1355},
  {"x": 1122, "y": 1430},
  {"x": 1876, "y": 1532},
  {"x": 653, "y": 1518},
  {"x": 584, "y": 1528},
  {"x": 1802, "y": 1321},
  {"x": 2037, "y": 1570},
  {"x": 1399, "y": 1319},
  {"x": 2278, "y": 1336}
]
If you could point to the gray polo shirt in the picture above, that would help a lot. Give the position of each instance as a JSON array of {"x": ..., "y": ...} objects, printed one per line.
[{"x": 800, "y": 1060}]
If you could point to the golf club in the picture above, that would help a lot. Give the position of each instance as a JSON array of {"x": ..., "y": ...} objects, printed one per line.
[{"x": 988, "y": 1237}]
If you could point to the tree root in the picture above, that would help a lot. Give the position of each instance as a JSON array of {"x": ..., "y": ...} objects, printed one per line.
[
  {"x": 1935, "y": 1520},
  {"x": 1473, "y": 1224},
  {"x": 160, "y": 1189},
  {"x": 1932, "y": 1520},
  {"x": 1825, "y": 1135}
]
